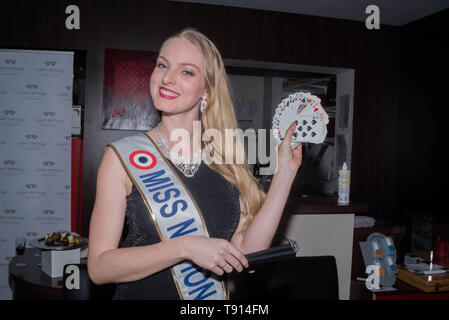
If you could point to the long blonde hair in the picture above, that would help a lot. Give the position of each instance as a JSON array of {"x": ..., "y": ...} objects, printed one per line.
[{"x": 219, "y": 114}]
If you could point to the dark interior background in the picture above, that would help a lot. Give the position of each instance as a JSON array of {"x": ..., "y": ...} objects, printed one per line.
[{"x": 398, "y": 166}]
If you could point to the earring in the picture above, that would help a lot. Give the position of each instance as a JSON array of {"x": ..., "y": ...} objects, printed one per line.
[{"x": 203, "y": 105}]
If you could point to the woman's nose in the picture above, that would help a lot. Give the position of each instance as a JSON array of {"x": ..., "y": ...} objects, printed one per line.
[{"x": 168, "y": 77}]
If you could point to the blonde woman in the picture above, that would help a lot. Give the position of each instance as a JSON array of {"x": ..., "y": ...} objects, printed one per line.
[{"x": 127, "y": 244}]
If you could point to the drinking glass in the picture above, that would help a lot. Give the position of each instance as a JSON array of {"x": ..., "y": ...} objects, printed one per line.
[{"x": 20, "y": 250}]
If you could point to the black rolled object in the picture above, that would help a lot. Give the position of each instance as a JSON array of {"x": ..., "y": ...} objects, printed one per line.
[{"x": 282, "y": 252}]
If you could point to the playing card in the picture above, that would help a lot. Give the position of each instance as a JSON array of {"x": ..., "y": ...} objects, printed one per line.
[
  {"x": 308, "y": 128},
  {"x": 310, "y": 118}
]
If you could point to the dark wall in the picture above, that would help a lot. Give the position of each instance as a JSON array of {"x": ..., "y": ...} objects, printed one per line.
[
  {"x": 423, "y": 113},
  {"x": 239, "y": 34}
]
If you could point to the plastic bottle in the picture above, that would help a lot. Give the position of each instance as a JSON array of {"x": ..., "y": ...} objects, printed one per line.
[{"x": 344, "y": 176}]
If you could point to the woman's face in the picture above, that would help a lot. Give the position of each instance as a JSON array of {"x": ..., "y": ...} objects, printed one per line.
[{"x": 177, "y": 83}]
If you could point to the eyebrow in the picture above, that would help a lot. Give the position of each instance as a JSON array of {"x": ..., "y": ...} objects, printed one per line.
[{"x": 184, "y": 64}]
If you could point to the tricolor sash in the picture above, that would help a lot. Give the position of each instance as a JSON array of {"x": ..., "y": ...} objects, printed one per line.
[{"x": 172, "y": 209}]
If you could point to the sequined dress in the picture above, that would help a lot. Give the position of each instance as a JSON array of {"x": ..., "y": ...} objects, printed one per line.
[{"x": 218, "y": 201}]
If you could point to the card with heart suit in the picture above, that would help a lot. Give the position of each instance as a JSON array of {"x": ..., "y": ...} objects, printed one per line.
[{"x": 306, "y": 111}]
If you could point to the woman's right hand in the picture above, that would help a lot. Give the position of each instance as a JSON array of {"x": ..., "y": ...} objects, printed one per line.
[{"x": 216, "y": 255}]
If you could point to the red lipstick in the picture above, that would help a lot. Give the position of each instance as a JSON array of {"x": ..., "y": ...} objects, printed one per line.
[{"x": 167, "y": 93}]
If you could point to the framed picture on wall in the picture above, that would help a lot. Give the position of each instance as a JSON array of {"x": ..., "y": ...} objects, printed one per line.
[{"x": 127, "y": 103}]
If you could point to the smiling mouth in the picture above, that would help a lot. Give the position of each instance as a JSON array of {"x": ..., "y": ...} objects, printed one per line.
[{"x": 167, "y": 94}]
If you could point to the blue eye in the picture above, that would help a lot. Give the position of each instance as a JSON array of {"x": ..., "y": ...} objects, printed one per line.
[
  {"x": 161, "y": 65},
  {"x": 188, "y": 73}
]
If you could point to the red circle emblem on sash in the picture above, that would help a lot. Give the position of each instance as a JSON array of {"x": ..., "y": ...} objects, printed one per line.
[{"x": 143, "y": 160}]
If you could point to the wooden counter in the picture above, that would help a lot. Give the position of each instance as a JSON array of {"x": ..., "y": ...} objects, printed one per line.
[{"x": 322, "y": 205}]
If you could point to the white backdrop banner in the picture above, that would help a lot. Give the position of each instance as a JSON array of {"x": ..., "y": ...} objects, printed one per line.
[{"x": 35, "y": 148}]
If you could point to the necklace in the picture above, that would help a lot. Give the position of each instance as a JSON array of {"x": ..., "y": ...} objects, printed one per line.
[{"x": 187, "y": 167}]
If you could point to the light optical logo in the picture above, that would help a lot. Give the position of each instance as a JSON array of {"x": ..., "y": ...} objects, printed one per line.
[
  {"x": 9, "y": 162},
  {"x": 10, "y": 66},
  {"x": 10, "y": 216},
  {"x": 49, "y": 118},
  {"x": 49, "y": 68},
  {"x": 32, "y": 141},
  {"x": 32, "y": 91},
  {"x": 65, "y": 143},
  {"x": 9, "y": 167},
  {"x": 66, "y": 93},
  {"x": 10, "y": 61},
  {"x": 31, "y": 191},
  {"x": 48, "y": 216},
  {"x": 49, "y": 113},
  {"x": 49, "y": 168},
  {"x": 9, "y": 117},
  {"x": 10, "y": 211},
  {"x": 64, "y": 192},
  {"x": 32, "y": 86}
]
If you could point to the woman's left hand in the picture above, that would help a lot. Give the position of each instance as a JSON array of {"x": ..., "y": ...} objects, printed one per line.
[{"x": 289, "y": 159}]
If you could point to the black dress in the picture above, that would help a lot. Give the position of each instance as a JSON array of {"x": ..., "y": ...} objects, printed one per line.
[{"x": 219, "y": 203}]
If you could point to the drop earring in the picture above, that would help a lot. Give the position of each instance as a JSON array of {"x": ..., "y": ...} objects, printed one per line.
[{"x": 203, "y": 105}]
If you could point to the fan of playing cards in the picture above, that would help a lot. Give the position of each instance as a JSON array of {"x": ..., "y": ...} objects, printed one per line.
[{"x": 305, "y": 109}]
